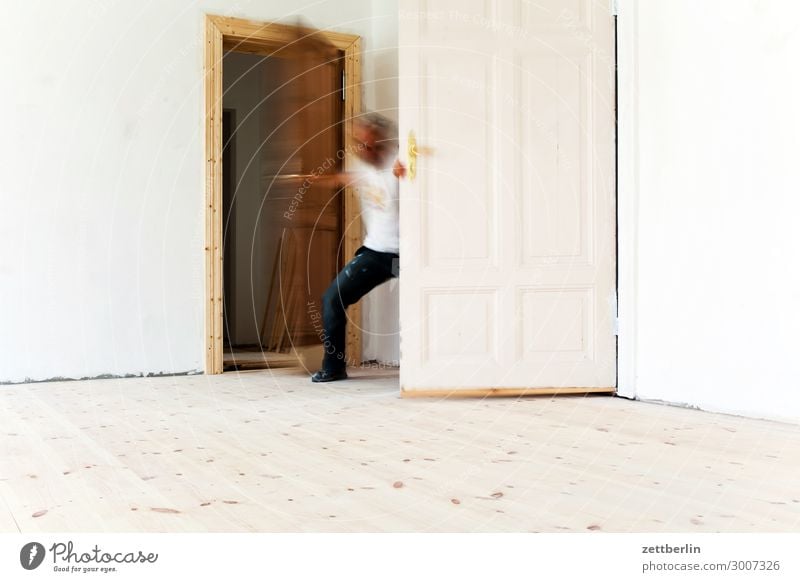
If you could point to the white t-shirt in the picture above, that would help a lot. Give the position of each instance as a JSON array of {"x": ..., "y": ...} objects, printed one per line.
[{"x": 378, "y": 190}]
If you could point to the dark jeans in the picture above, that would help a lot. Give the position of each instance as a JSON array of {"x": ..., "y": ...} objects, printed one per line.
[{"x": 362, "y": 274}]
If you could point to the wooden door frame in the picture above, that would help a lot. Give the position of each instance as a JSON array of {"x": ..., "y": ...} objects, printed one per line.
[{"x": 221, "y": 34}]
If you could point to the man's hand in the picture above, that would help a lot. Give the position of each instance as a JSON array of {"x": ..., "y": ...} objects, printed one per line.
[{"x": 399, "y": 170}]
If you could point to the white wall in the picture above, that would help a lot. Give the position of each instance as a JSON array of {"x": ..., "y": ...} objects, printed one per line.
[
  {"x": 102, "y": 180},
  {"x": 381, "y": 308},
  {"x": 716, "y": 303}
]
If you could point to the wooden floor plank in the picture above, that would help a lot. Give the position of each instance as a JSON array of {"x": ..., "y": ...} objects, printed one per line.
[{"x": 269, "y": 451}]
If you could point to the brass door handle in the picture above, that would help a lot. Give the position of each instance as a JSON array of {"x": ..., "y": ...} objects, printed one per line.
[{"x": 412, "y": 155}]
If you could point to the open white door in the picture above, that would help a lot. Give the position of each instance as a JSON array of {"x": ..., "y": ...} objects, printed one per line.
[{"x": 508, "y": 230}]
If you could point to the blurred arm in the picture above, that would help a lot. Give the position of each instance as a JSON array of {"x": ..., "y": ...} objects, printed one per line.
[{"x": 342, "y": 179}]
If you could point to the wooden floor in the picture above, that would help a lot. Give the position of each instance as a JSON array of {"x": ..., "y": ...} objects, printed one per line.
[
  {"x": 255, "y": 358},
  {"x": 252, "y": 358},
  {"x": 269, "y": 451}
]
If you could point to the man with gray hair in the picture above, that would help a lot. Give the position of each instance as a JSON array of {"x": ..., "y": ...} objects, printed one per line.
[{"x": 376, "y": 182}]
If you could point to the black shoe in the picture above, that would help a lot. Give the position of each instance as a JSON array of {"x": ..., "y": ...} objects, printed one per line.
[{"x": 326, "y": 376}]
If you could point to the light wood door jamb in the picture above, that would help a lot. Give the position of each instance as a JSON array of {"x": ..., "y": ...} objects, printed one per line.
[{"x": 222, "y": 34}]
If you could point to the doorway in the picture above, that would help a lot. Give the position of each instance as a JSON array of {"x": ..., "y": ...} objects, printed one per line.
[{"x": 280, "y": 100}]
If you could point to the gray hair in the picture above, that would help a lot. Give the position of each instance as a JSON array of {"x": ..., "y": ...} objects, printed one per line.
[{"x": 380, "y": 124}]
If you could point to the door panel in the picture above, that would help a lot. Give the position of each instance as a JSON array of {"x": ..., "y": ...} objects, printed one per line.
[
  {"x": 507, "y": 233},
  {"x": 306, "y": 126}
]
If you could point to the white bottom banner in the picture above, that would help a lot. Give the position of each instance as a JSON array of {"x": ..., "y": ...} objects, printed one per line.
[{"x": 406, "y": 557}]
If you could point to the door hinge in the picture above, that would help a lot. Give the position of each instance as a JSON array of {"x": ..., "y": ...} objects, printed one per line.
[
  {"x": 344, "y": 85},
  {"x": 614, "y": 7}
]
